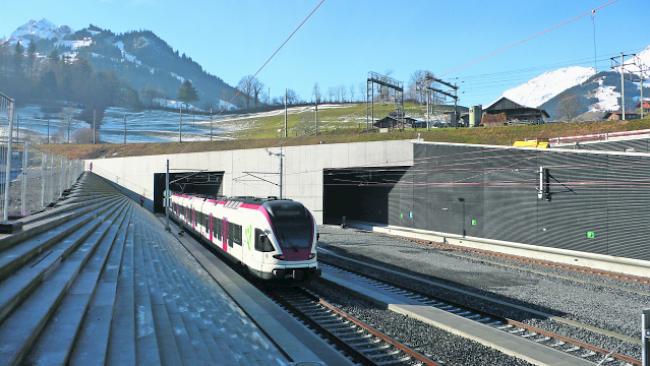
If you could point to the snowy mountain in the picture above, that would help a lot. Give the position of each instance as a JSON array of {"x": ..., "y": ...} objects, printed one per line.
[
  {"x": 542, "y": 88},
  {"x": 599, "y": 93},
  {"x": 571, "y": 91},
  {"x": 642, "y": 58},
  {"x": 142, "y": 59},
  {"x": 38, "y": 30}
]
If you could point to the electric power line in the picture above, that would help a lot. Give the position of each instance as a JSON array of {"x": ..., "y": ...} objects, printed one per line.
[
  {"x": 286, "y": 40},
  {"x": 527, "y": 39}
]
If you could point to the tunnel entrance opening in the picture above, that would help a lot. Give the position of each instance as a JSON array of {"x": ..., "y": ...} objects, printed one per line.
[
  {"x": 207, "y": 183},
  {"x": 359, "y": 193}
]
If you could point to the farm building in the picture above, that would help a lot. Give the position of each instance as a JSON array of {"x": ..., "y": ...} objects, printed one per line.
[{"x": 504, "y": 111}]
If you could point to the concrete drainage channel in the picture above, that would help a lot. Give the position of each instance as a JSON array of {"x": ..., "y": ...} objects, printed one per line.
[{"x": 539, "y": 343}]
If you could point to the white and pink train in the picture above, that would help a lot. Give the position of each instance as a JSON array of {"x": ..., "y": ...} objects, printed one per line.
[{"x": 271, "y": 238}]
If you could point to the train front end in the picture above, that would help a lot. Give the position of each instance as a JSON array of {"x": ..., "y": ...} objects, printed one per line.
[{"x": 289, "y": 242}]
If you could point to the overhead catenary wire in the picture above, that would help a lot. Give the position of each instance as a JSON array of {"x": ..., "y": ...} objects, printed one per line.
[
  {"x": 526, "y": 39},
  {"x": 277, "y": 50}
]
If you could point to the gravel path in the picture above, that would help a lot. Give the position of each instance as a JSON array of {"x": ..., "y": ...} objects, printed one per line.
[
  {"x": 430, "y": 341},
  {"x": 584, "y": 300}
]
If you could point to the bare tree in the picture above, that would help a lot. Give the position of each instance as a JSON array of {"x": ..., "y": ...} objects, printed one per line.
[
  {"x": 568, "y": 107},
  {"x": 316, "y": 93},
  {"x": 342, "y": 93},
  {"x": 245, "y": 86},
  {"x": 331, "y": 92},
  {"x": 419, "y": 80},
  {"x": 292, "y": 97},
  {"x": 258, "y": 89},
  {"x": 352, "y": 93},
  {"x": 363, "y": 91},
  {"x": 252, "y": 88}
]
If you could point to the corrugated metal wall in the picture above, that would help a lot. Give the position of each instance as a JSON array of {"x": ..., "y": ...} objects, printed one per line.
[
  {"x": 598, "y": 203},
  {"x": 637, "y": 145}
]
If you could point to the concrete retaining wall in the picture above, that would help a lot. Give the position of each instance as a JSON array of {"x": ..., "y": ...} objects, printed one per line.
[{"x": 303, "y": 168}]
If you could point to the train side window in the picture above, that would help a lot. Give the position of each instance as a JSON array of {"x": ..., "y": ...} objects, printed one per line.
[
  {"x": 216, "y": 227},
  {"x": 262, "y": 242},
  {"x": 231, "y": 234},
  {"x": 234, "y": 233}
]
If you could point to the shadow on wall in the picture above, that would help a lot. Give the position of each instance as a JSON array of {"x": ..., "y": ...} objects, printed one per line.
[
  {"x": 137, "y": 197},
  {"x": 205, "y": 183},
  {"x": 359, "y": 193}
]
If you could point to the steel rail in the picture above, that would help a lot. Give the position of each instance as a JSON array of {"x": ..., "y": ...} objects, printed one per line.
[
  {"x": 356, "y": 353},
  {"x": 530, "y": 328}
]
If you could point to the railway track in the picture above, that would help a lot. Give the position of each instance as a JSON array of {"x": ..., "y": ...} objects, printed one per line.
[
  {"x": 363, "y": 343},
  {"x": 577, "y": 348},
  {"x": 539, "y": 262}
]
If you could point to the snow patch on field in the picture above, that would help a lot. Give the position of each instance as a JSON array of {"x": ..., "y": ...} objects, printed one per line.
[
  {"x": 178, "y": 77},
  {"x": 76, "y": 44},
  {"x": 607, "y": 98}
]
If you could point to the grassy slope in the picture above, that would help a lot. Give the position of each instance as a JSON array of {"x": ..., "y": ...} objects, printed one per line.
[
  {"x": 348, "y": 116},
  {"x": 496, "y": 136}
]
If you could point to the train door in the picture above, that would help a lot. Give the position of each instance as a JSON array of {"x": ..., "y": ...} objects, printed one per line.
[
  {"x": 224, "y": 234},
  {"x": 210, "y": 227},
  {"x": 248, "y": 242},
  {"x": 259, "y": 245},
  {"x": 235, "y": 234}
]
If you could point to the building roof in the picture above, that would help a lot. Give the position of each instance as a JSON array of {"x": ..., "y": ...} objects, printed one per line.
[{"x": 504, "y": 104}]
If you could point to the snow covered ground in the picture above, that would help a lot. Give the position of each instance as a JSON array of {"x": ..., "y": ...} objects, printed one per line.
[
  {"x": 607, "y": 98},
  {"x": 142, "y": 126}
]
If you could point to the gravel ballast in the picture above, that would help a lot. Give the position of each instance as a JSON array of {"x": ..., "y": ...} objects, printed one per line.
[
  {"x": 607, "y": 304},
  {"x": 432, "y": 342}
]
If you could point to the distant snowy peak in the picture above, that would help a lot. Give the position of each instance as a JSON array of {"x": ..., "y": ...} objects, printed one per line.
[
  {"x": 41, "y": 29},
  {"x": 549, "y": 84},
  {"x": 641, "y": 60}
]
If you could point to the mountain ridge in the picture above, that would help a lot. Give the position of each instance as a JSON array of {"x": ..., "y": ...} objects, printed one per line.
[
  {"x": 141, "y": 58},
  {"x": 569, "y": 92}
]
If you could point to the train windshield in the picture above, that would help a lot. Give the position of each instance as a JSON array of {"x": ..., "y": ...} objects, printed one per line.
[{"x": 292, "y": 223}]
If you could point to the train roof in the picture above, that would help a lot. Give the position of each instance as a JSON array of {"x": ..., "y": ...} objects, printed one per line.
[{"x": 242, "y": 199}]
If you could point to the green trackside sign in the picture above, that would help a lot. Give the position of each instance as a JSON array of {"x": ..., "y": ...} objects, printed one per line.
[
  {"x": 474, "y": 222},
  {"x": 591, "y": 235}
]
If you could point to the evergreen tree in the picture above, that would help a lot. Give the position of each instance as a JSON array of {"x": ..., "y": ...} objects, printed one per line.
[
  {"x": 48, "y": 85},
  {"x": 187, "y": 93},
  {"x": 31, "y": 50},
  {"x": 19, "y": 51},
  {"x": 31, "y": 58},
  {"x": 54, "y": 56}
]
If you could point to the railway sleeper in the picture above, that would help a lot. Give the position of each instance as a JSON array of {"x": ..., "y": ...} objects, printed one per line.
[
  {"x": 357, "y": 340},
  {"x": 397, "y": 361}
]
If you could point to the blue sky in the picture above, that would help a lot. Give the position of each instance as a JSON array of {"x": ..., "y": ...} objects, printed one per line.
[{"x": 347, "y": 38}]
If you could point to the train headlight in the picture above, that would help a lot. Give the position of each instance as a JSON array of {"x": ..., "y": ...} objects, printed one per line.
[
  {"x": 279, "y": 256},
  {"x": 312, "y": 255}
]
